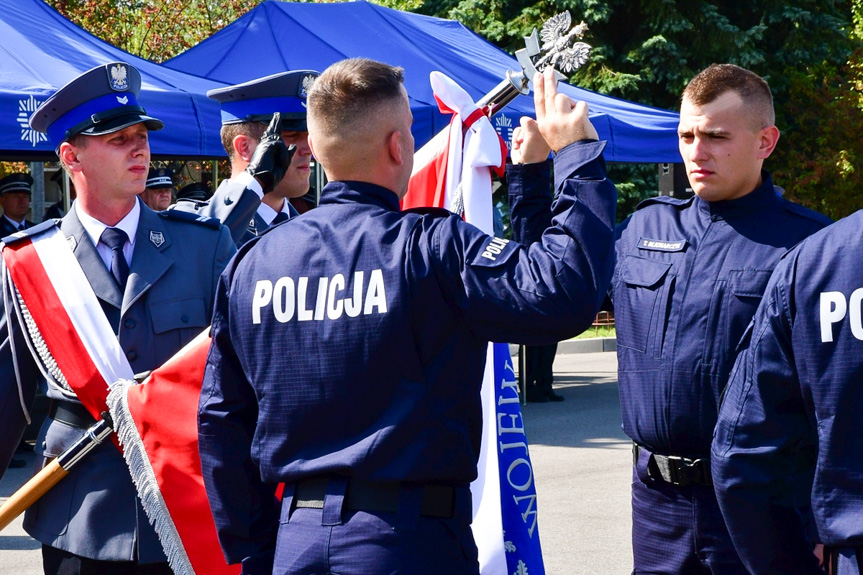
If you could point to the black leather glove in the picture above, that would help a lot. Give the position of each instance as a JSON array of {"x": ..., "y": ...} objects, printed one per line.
[{"x": 272, "y": 158}]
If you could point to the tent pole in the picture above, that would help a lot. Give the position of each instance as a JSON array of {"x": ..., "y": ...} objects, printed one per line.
[{"x": 37, "y": 199}]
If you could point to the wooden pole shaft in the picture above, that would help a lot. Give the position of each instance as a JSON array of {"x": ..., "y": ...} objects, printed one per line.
[{"x": 30, "y": 492}]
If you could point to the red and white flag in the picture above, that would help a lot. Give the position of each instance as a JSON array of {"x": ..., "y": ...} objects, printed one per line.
[{"x": 156, "y": 422}]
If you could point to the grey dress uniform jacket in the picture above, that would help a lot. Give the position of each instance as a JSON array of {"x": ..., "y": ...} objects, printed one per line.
[
  {"x": 177, "y": 260},
  {"x": 235, "y": 205}
]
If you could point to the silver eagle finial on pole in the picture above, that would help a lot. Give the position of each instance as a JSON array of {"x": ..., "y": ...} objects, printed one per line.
[{"x": 561, "y": 49}]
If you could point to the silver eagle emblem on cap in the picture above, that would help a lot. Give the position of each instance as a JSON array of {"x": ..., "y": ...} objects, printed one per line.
[
  {"x": 118, "y": 77},
  {"x": 158, "y": 238},
  {"x": 306, "y": 85}
]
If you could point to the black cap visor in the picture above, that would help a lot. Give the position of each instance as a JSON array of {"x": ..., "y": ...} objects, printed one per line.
[{"x": 114, "y": 120}]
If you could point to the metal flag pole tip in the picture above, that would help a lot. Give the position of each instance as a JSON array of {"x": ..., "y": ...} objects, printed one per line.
[{"x": 559, "y": 50}]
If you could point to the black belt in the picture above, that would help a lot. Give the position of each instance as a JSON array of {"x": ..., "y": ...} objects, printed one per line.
[
  {"x": 675, "y": 469},
  {"x": 437, "y": 500},
  {"x": 74, "y": 414}
]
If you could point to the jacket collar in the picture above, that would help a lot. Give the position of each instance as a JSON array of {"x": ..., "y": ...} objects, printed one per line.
[{"x": 360, "y": 193}]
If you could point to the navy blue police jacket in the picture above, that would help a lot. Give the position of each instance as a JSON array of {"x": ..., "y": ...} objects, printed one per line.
[
  {"x": 688, "y": 278},
  {"x": 352, "y": 340},
  {"x": 797, "y": 383}
]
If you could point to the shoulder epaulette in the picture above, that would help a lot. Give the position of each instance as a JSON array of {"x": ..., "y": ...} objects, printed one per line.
[
  {"x": 668, "y": 200},
  {"x": 194, "y": 204},
  {"x": 31, "y": 232},
  {"x": 806, "y": 212},
  {"x": 429, "y": 211},
  {"x": 190, "y": 217}
]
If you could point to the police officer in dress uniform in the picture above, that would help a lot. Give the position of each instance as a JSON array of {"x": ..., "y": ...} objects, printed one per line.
[
  {"x": 15, "y": 191},
  {"x": 796, "y": 386},
  {"x": 688, "y": 278},
  {"x": 242, "y": 203},
  {"x": 92, "y": 522},
  {"x": 159, "y": 190},
  {"x": 375, "y": 429}
]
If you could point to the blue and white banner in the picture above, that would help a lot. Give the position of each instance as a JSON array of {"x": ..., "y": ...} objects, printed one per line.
[{"x": 505, "y": 508}]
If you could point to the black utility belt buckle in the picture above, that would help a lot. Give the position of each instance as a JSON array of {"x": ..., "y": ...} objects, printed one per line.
[{"x": 682, "y": 471}]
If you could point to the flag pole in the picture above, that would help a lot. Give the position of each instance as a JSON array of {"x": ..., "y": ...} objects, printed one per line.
[{"x": 56, "y": 470}]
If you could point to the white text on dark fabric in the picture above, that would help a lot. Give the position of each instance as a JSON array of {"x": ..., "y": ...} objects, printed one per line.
[
  {"x": 290, "y": 299},
  {"x": 661, "y": 245}
]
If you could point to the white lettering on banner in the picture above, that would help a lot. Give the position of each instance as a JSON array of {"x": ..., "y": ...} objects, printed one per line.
[
  {"x": 493, "y": 249},
  {"x": 519, "y": 474},
  {"x": 834, "y": 308},
  {"x": 289, "y": 298}
]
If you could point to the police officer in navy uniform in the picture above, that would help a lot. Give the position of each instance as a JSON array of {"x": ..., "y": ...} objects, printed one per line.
[
  {"x": 375, "y": 428},
  {"x": 92, "y": 522},
  {"x": 688, "y": 278},
  {"x": 796, "y": 386},
  {"x": 249, "y": 203},
  {"x": 15, "y": 191},
  {"x": 159, "y": 189}
]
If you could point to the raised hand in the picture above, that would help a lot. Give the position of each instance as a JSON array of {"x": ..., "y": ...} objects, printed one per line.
[
  {"x": 271, "y": 158},
  {"x": 561, "y": 120}
]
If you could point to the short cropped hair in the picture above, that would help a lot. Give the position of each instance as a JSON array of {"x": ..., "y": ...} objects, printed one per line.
[
  {"x": 349, "y": 90},
  {"x": 254, "y": 130},
  {"x": 717, "y": 79}
]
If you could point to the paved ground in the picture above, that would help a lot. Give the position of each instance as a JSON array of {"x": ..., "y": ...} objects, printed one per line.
[{"x": 581, "y": 459}]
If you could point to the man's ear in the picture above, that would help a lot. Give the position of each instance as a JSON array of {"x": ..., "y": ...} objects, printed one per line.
[
  {"x": 768, "y": 139},
  {"x": 69, "y": 156},
  {"x": 311, "y": 145},
  {"x": 394, "y": 147},
  {"x": 244, "y": 147}
]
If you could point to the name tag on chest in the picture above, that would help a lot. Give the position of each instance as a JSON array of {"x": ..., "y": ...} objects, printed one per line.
[{"x": 661, "y": 245}]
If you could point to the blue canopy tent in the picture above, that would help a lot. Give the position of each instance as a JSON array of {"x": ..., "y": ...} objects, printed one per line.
[
  {"x": 42, "y": 51},
  {"x": 278, "y": 36}
]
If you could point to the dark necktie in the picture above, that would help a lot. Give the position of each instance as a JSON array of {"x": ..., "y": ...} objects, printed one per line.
[
  {"x": 115, "y": 239},
  {"x": 22, "y": 225},
  {"x": 280, "y": 217}
]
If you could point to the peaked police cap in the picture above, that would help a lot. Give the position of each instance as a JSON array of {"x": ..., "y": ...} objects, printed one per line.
[
  {"x": 257, "y": 100},
  {"x": 100, "y": 101}
]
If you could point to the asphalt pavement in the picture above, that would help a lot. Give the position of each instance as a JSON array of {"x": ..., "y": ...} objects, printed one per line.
[{"x": 582, "y": 464}]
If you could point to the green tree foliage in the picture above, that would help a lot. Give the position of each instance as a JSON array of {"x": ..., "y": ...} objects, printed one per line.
[{"x": 153, "y": 29}]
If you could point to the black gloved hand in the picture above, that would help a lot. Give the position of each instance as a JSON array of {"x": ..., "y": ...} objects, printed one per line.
[{"x": 272, "y": 158}]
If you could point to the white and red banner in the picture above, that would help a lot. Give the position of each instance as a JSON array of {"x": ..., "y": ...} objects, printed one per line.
[
  {"x": 59, "y": 300},
  {"x": 453, "y": 171}
]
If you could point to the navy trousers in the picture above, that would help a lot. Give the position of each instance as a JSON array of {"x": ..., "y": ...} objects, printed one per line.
[
  {"x": 336, "y": 541},
  {"x": 679, "y": 530}
]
